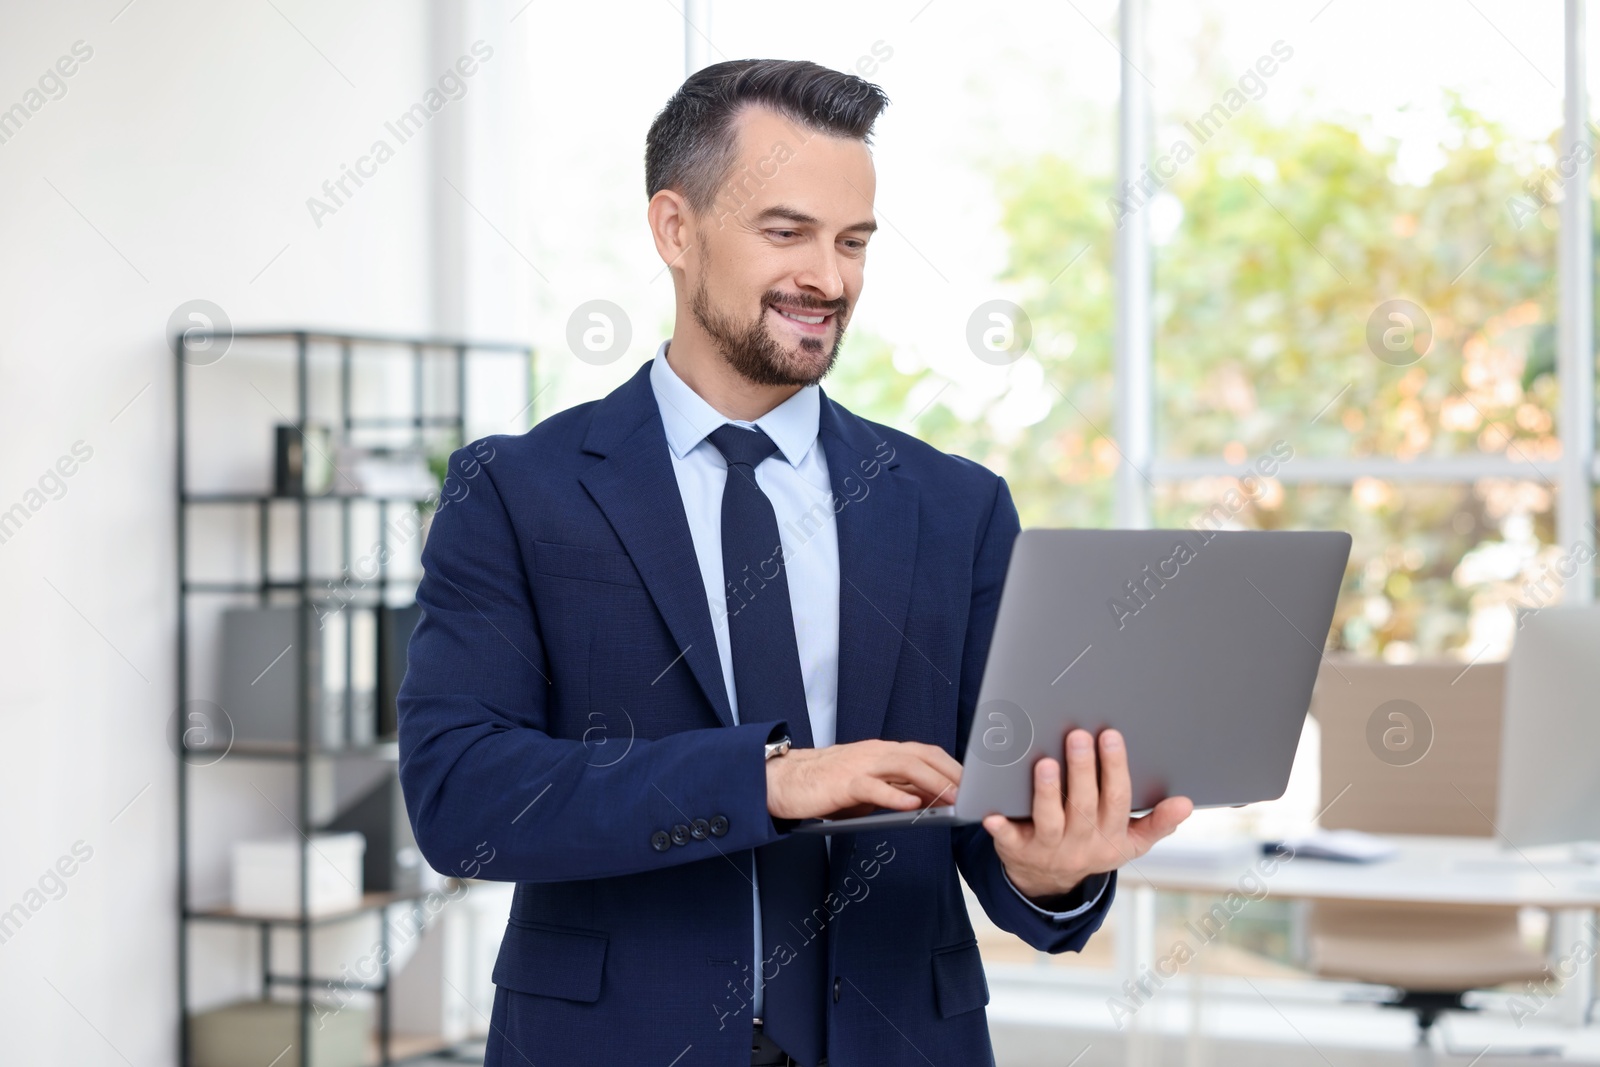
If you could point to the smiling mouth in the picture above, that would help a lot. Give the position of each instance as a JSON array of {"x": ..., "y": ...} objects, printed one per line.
[{"x": 808, "y": 321}]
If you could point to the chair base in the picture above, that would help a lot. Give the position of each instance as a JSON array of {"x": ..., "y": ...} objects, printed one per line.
[{"x": 1427, "y": 1006}]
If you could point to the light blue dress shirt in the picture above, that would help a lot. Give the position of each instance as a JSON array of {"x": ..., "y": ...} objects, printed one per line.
[{"x": 802, "y": 498}]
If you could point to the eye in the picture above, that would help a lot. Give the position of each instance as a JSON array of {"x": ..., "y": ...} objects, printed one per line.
[{"x": 784, "y": 234}]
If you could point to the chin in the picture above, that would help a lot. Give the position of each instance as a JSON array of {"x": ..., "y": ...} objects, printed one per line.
[
  {"x": 806, "y": 363},
  {"x": 812, "y": 360}
]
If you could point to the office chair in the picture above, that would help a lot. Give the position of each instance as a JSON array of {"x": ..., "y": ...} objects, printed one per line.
[{"x": 1430, "y": 773}]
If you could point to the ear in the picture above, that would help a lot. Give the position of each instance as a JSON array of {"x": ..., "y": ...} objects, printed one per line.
[{"x": 672, "y": 226}]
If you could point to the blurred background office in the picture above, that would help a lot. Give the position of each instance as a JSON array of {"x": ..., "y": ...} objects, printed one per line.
[{"x": 1323, "y": 264}]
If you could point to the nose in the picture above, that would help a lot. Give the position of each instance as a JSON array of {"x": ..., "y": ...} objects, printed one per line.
[{"x": 820, "y": 275}]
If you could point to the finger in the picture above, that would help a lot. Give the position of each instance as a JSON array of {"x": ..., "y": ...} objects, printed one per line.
[
  {"x": 1083, "y": 783},
  {"x": 1008, "y": 836},
  {"x": 937, "y": 758},
  {"x": 1116, "y": 790},
  {"x": 1162, "y": 820},
  {"x": 905, "y": 768},
  {"x": 1049, "y": 818},
  {"x": 870, "y": 790}
]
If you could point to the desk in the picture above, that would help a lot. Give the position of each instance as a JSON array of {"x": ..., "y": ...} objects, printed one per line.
[{"x": 1427, "y": 870}]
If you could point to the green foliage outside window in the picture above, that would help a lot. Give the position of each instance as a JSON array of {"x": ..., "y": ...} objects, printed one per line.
[{"x": 1289, "y": 238}]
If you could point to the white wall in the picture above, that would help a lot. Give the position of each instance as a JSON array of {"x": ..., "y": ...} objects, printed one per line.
[{"x": 176, "y": 166}]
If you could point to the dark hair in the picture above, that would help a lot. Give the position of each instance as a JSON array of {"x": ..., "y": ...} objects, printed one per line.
[{"x": 691, "y": 144}]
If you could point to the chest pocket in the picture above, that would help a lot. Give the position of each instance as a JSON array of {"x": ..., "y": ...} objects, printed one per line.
[{"x": 584, "y": 564}]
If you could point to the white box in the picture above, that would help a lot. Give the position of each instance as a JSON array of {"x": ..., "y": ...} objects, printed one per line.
[
  {"x": 266, "y": 875},
  {"x": 256, "y": 1031}
]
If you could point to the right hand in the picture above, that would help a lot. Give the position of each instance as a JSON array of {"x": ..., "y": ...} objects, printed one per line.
[{"x": 843, "y": 781}]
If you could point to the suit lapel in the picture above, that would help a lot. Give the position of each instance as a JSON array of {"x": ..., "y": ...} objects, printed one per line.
[
  {"x": 877, "y": 527},
  {"x": 637, "y": 490}
]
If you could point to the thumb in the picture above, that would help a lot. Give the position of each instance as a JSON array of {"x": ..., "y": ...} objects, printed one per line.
[
  {"x": 1007, "y": 834},
  {"x": 1164, "y": 818}
]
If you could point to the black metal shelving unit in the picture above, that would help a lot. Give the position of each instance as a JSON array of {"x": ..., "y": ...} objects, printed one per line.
[{"x": 301, "y": 591}]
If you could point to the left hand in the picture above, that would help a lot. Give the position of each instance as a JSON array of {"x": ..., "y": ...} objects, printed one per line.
[{"x": 1089, "y": 831}]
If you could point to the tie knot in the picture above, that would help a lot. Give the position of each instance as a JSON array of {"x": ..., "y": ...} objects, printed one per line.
[{"x": 741, "y": 446}]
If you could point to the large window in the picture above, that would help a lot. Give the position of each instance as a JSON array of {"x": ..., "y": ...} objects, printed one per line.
[{"x": 1355, "y": 247}]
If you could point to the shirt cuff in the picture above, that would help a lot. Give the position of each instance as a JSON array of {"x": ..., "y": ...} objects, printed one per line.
[{"x": 1091, "y": 890}]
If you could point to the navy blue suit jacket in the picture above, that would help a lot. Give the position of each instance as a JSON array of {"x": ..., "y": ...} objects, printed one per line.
[{"x": 564, "y": 726}]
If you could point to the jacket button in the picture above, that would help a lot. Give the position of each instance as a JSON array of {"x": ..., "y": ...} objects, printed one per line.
[
  {"x": 699, "y": 829},
  {"x": 680, "y": 834},
  {"x": 838, "y": 984},
  {"x": 660, "y": 841},
  {"x": 718, "y": 825}
]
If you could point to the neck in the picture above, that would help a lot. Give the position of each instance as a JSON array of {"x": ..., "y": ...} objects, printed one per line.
[{"x": 694, "y": 358}]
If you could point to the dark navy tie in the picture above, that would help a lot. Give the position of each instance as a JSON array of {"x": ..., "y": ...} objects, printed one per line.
[{"x": 792, "y": 873}]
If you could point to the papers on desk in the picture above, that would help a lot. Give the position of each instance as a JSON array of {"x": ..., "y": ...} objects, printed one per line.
[{"x": 1345, "y": 846}]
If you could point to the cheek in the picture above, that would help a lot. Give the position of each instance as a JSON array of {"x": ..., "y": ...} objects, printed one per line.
[
  {"x": 738, "y": 278},
  {"x": 853, "y": 272}
]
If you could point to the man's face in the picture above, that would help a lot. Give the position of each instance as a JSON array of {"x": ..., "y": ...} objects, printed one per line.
[{"x": 779, "y": 256}]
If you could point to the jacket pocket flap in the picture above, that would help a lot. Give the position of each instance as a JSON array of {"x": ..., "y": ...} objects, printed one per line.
[
  {"x": 584, "y": 564},
  {"x": 551, "y": 961},
  {"x": 958, "y": 981}
]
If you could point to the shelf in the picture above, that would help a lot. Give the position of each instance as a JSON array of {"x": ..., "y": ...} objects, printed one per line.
[
  {"x": 436, "y": 412},
  {"x": 238, "y": 587},
  {"x": 291, "y": 750},
  {"x": 316, "y": 589},
  {"x": 296, "y": 982},
  {"x": 370, "y": 902},
  {"x": 378, "y": 422},
  {"x": 409, "y": 343},
  {"x": 240, "y": 499}
]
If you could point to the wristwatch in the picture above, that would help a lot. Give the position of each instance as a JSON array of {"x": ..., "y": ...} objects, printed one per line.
[{"x": 778, "y": 747}]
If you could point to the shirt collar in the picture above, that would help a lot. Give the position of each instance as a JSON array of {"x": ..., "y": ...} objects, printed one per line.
[{"x": 687, "y": 417}]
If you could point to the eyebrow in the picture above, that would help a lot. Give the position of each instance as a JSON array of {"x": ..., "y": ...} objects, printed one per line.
[{"x": 789, "y": 214}]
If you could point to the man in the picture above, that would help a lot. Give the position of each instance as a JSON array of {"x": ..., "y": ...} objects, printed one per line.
[{"x": 660, "y": 628}]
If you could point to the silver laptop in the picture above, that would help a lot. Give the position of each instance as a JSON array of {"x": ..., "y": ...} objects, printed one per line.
[
  {"x": 1201, "y": 646},
  {"x": 1550, "y": 735}
]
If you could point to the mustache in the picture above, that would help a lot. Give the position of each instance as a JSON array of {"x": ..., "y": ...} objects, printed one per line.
[{"x": 803, "y": 302}]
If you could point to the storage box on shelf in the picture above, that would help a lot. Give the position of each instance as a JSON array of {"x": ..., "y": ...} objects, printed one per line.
[{"x": 267, "y": 875}]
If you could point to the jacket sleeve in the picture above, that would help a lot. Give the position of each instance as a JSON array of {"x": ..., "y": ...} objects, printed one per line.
[
  {"x": 974, "y": 849},
  {"x": 489, "y": 791}
]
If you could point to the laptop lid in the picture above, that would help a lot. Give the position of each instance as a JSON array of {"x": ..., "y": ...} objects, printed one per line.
[{"x": 1201, "y": 646}]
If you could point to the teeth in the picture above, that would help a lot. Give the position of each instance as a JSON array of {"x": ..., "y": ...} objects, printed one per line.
[{"x": 812, "y": 319}]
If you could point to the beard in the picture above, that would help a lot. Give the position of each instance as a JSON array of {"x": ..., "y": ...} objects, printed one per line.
[{"x": 758, "y": 357}]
